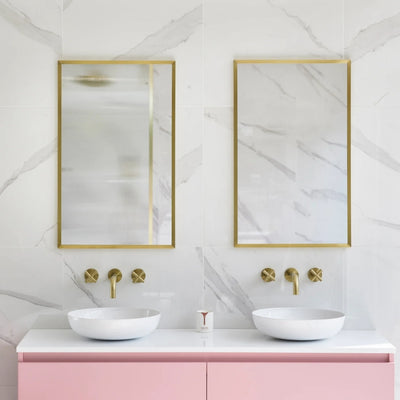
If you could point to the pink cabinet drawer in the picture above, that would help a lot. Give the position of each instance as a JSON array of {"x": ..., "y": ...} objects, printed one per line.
[
  {"x": 111, "y": 380},
  {"x": 300, "y": 381}
]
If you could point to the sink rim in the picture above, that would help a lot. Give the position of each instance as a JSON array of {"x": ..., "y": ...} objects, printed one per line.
[
  {"x": 104, "y": 323},
  {"x": 309, "y": 323},
  {"x": 330, "y": 314},
  {"x": 73, "y": 313}
]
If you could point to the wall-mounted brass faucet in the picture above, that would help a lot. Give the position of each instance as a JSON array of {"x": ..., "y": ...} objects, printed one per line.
[
  {"x": 292, "y": 275},
  {"x": 114, "y": 275}
]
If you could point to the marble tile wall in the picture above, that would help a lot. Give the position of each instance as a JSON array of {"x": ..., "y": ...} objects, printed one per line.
[{"x": 204, "y": 270}]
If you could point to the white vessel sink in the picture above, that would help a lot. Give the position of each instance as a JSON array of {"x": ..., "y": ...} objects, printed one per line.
[
  {"x": 298, "y": 323},
  {"x": 114, "y": 323}
]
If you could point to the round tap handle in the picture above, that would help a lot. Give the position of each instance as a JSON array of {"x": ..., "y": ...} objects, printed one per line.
[
  {"x": 268, "y": 275},
  {"x": 315, "y": 274},
  {"x": 138, "y": 276},
  {"x": 91, "y": 275}
]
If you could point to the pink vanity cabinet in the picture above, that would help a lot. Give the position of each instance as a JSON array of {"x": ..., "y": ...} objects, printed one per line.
[
  {"x": 186, "y": 365},
  {"x": 84, "y": 377}
]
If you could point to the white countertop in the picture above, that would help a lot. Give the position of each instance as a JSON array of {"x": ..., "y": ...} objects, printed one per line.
[{"x": 190, "y": 341}]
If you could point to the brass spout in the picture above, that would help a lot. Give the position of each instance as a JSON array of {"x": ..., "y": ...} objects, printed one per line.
[
  {"x": 114, "y": 275},
  {"x": 292, "y": 275}
]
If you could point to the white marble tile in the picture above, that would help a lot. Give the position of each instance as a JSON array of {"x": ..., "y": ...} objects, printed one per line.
[
  {"x": 174, "y": 282},
  {"x": 365, "y": 202},
  {"x": 234, "y": 288},
  {"x": 32, "y": 47},
  {"x": 260, "y": 29},
  {"x": 359, "y": 280},
  {"x": 218, "y": 176},
  {"x": 28, "y": 163},
  {"x": 33, "y": 285},
  {"x": 189, "y": 176},
  {"x": 375, "y": 175},
  {"x": 34, "y": 275},
  {"x": 372, "y": 39},
  {"x": 125, "y": 30}
]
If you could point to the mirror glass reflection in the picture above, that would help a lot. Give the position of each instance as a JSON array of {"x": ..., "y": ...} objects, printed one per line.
[
  {"x": 292, "y": 154},
  {"x": 116, "y": 144}
]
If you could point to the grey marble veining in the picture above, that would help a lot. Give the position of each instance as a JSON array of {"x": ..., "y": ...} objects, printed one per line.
[
  {"x": 30, "y": 299},
  {"x": 34, "y": 161},
  {"x": 306, "y": 150},
  {"x": 188, "y": 164},
  {"x": 328, "y": 194},
  {"x": 226, "y": 288},
  {"x": 276, "y": 83},
  {"x": 8, "y": 340},
  {"x": 301, "y": 209},
  {"x": 360, "y": 141},
  {"x": 305, "y": 27},
  {"x": 290, "y": 174},
  {"x": 332, "y": 143},
  {"x": 316, "y": 80},
  {"x": 306, "y": 239},
  {"x": 264, "y": 129},
  {"x": 245, "y": 214},
  {"x": 168, "y": 37},
  {"x": 373, "y": 37},
  {"x": 23, "y": 23},
  {"x": 386, "y": 224},
  {"x": 43, "y": 236},
  {"x": 77, "y": 281},
  {"x": 66, "y": 4}
]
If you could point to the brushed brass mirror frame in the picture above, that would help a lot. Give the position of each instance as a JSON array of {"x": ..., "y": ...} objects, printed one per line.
[
  {"x": 59, "y": 187},
  {"x": 235, "y": 146}
]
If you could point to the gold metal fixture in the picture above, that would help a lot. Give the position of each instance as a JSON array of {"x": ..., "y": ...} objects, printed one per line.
[
  {"x": 292, "y": 275},
  {"x": 315, "y": 274},
  {"x": 114, "y": 275},
  {"x": 138, "y": 275},
  {"x": 235, "y": 149},
  {"x": 268, "y": 275},
  {"x": 91, "y": 275},
  {"x": 95, "y": 79}
]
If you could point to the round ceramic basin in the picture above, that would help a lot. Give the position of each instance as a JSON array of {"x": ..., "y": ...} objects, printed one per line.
[
  {"x": 298, "y": 323},
  {"x": 114, "y": 323}
]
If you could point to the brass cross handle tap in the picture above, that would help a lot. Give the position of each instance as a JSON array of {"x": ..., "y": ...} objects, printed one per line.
[
  {"x": 114, "y": 275},
  {"x": 292, "y": 275},
  {"x": 138, "y": 276},
  {"x": 268, "y": 275},
  {"x": 315, "y": 274},
  {"x": 91, "y": 275}
]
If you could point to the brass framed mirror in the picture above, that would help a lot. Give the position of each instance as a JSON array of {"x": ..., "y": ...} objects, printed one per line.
[
  {"x": 292, "y": 139},
  {"x": 116, "y": 154}
]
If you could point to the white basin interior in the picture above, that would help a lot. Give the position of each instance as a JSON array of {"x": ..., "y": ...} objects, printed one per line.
[
  {"x": 114, "y": 323},
  {"x": 295, "y": 323}
]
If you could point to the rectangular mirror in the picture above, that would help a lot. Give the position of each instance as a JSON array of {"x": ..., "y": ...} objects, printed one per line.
[
  {"x": 116, "y": 127},
  {"x": 292, "y": 153}
]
